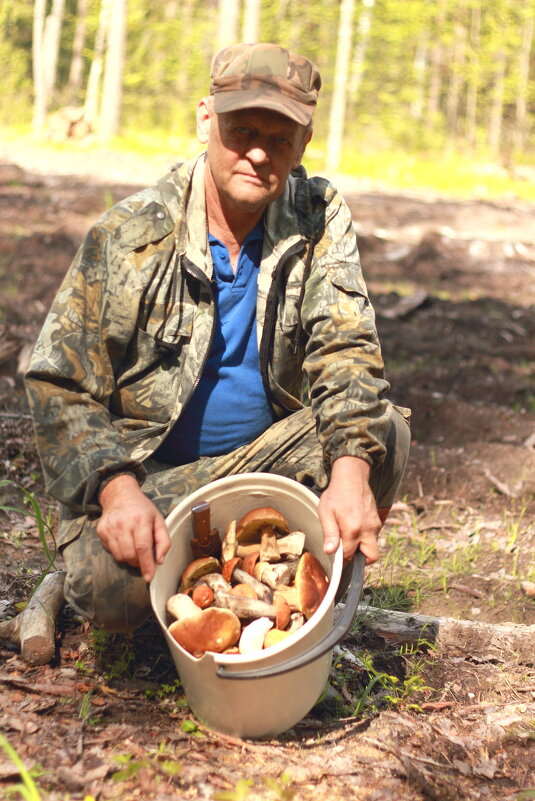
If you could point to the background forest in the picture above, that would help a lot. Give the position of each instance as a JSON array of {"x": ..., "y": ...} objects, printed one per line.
[{"x": 440, "y": 76}]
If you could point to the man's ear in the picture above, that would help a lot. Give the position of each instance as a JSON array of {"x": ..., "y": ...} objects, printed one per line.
[
  {"x": 204, "y": 118},
  {"x": 306, "y": 139}
]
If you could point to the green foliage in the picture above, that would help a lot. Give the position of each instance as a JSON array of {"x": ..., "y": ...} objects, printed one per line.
[
  {"x": 28, "y": 789},
  {"x": 44, "y": 526},
  {"x": 409, "y": 51},
  {"x": 113, "y": 653},
  {"x": 240, "y": 792}
]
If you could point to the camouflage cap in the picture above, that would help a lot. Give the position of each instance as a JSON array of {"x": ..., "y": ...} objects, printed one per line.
[{"x": 265, "y": 76}]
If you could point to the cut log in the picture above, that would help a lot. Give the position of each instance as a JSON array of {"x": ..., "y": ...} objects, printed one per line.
[
  {"x": 481, "y": 642},
  {"x": 34, "y": 628}
]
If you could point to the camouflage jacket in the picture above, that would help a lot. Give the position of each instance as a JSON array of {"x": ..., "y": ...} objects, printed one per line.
[{"x": 130, "y": 328}]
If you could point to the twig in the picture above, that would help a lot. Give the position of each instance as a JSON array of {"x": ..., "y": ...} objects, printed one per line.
[{"x": 16, "y": 415}]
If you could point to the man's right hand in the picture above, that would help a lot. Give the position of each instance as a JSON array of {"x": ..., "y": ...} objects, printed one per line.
[{"x": 131, "y": 528}]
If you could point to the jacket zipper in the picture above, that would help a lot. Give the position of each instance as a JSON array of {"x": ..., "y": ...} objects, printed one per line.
[{"x": 269, "y": 321}]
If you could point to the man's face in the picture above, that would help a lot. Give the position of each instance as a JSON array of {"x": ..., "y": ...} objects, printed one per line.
[{"x": 250, "y": 154}]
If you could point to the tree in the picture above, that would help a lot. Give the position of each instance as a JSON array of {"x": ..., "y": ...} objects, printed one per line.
[
  {"x": 92, "y": 95},
  {"x": 77, "y": 60},
  {"x": 228, "y": 22},
  {"x": 112, "y": 90},
  {"x": 338, "y": 101},
  {"x": 251, "y": 21}
]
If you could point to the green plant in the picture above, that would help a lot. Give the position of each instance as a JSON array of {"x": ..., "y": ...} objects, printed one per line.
[
  {"x": 28, "y": 789},
  {"x": 113, "y": 652},
  {"x": 169, "y": 767},
  {"x": 44, "y": 526},
  {"x": 280, "y": 787},
  {"x": 240, "y": 792}
]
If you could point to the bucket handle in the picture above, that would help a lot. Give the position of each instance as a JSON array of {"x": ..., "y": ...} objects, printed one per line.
[{"x": 327, "y": 643}]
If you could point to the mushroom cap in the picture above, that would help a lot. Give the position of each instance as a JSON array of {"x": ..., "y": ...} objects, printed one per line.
[
  {"x": 196, "y": 569},
  {"x": 249, "y": 525},
  {"x": 311, "y": 583},
  {"x": 250, "y": 561},
  {"x": 244, "y": 591},
  {"x": 212, "y": 630},
  {"x": 202, "y": 596},
  {"x": 275, "y": 636},
  {"x": 229, "y": 566},
  {"x": 283, "y": 611}
]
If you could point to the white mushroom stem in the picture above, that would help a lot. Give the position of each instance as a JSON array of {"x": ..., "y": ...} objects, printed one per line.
[
  {"x": 272, "y": 575},
  {"x": 181, "y": 606},
  {"x": 269, "y": 551},
  {"x": 292, "y": 545},
  {"x": 263, "y": 592},
  {"x": 247, "y": 608},
  {"x": 216, "y": 582},
  {"x": 297, "y": 620},
  {"x": 253, "y": 635},
  {"x": 229, "y": 542}
]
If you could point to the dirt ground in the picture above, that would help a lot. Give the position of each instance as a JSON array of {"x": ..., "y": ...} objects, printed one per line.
[{"x": 453, "y": 285}]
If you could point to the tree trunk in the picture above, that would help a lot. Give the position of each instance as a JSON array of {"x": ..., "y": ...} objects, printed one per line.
[
  {"x": 112, "y": 89},
  {"x": 40, "y": 99},
  {"x": 77, "y": 60},
  {"x": 251, "y": 21},
  {"x": 95, "y": 72},
  {"x": 473, "y": 75},
  {"x": 420, "y": 69},
  {"x": 338, "y": 101},
  {"x": 496, "y": 112},
  {"x": 51, "y": 40},
  {"x": 363, "y": 37},
  {"x": 456, "y": 74},
  {"x": 228, "y": 22},
  {"x": 523, "y": 77},
  {"x": 435, "y": 80}
]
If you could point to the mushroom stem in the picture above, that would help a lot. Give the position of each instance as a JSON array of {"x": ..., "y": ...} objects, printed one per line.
[
  {"x": 248, "y": 608},
  {"x": 261, "y": 590}
]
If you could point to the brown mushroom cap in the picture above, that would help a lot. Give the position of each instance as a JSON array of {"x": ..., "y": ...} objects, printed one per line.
[
  {"x": 282, "y": 608},
  {"x": 211, "y": 630},
  {"x": 311, "y": 583},
  {"x": 202, "y": 596},
  {"x": 250, "y": 561},
  {"x": 198, "y": 568},
  {"x": 243, "y": 591},
  {"x": 249, "y": 525},
  {"x": 229, "y": 566}
]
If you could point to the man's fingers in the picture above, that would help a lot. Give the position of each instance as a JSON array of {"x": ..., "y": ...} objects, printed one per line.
[
  {"x": 162, "y": 542},
  {"x": 144, "y": 543}
]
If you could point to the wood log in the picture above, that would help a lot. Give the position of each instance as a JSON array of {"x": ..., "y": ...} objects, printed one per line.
[
  {"x": 478, "y": 641},
  {"x": 34, "y": 628}
]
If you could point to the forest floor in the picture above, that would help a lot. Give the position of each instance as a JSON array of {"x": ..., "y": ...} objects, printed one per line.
[{"x": 453, "y": 284}]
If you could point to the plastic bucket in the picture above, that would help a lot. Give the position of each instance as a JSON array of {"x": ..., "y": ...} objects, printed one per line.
[{"x": 265, "y": 694}]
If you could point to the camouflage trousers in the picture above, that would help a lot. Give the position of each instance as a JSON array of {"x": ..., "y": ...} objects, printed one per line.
[{"x": 115, "y": 597}]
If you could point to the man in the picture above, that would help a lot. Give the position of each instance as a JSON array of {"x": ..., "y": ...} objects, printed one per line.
[{"x": 179, "y": 345}]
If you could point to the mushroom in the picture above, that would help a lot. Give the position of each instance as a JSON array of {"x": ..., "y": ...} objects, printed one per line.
[
  {"x": 275, "y": 636},
  {"x": 283, "y": 612},
  {"x": 292, "y": 545},
  {"x": 229, "y": 565},
  {"x": 297, "y": 620},
  {"x": 261, "y": 590},
  {"x": 250, "y": 560},
  {"x": 216, "y": 582},
  {"x": 269, "y": 551},
  {"x": 248, "y": 527},
  {"x": 246, "y": 608},
  {"x": 202, "y": 596},
  {"x": 229, "y": 542},
  {"x": 253, "y": 635},
  {"x": 200, "y": 630},
  {"x": 311, "y": 583},
  {"x": 290, "y": 595},
  {"x": 196, "y": 569},
  {"x": 273, "y": 575},
  {"x": 243, "y": 591}
]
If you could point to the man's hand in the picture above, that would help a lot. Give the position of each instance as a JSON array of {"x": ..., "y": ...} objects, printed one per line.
[
  {"x": 347, "y": 510},
  {"x": 131, "y": 527}
]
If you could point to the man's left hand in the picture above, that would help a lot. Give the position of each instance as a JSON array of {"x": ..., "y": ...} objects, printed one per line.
[{"x": 347, "y": 510}]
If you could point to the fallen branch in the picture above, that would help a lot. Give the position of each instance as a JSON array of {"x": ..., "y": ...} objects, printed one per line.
[
  {"x": 34, "y": 628},
  {"x": 482, "y": 642}
]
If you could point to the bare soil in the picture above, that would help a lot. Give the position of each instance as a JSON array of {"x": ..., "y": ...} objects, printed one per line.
[{"x": 453, "y": 285}]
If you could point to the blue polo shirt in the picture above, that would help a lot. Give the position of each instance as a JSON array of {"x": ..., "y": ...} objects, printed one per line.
[{"x": 229, "y": 407}]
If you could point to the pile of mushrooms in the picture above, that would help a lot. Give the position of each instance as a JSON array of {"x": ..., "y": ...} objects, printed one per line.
[{"x": 264, "y": 587}]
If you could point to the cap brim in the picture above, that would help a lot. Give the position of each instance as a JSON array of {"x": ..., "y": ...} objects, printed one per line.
[{"x": 251, "y": 98}]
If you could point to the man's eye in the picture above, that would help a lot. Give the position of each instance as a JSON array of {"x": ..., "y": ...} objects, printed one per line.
[
  {"x": 282, "y": 142},
  {"x": 242, "y": 130}
]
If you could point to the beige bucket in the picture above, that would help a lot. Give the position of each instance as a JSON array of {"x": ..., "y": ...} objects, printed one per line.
[{"x": 264, "y": 695}]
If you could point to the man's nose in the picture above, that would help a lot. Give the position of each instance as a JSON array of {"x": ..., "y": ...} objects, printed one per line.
[{"x": 258, "y": 153}]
